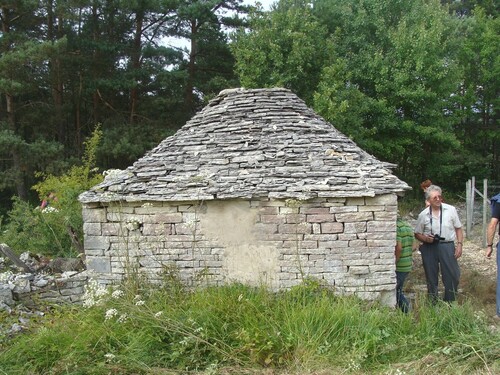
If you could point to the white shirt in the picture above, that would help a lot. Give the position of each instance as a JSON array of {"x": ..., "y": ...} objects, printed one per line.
[{"x": 450, "y": 222}]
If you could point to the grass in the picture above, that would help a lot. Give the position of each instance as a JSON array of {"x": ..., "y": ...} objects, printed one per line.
[{"x": 237, "y": 329}]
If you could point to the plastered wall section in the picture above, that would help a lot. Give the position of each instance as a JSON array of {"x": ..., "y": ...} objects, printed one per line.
[{"x": 348, "y": 243}]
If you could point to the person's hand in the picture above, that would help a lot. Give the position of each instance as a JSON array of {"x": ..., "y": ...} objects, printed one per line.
[
  {"x": 429, "y": 238},
  {"x": 458, "y": 251},
  {"x": 489, "y": 251}
]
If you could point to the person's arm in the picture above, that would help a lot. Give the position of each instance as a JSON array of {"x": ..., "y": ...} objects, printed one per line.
[
  {"x": 460, "y": 241},
  {"x": 426, "y": 238},
  {"x": 398, "y": 250},
  {"x": 490, "y": 236}
]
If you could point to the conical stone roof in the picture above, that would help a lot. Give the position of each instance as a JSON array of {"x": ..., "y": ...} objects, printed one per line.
[{"x": 250, "y": 144}]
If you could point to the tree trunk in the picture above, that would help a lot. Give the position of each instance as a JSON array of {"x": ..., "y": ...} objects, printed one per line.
[{"x": 136, "y": 65}]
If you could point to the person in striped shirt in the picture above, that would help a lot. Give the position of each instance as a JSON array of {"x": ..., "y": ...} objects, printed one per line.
[{"x": 404, "y": 261}]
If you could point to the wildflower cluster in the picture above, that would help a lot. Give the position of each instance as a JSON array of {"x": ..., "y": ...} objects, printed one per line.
[
  {"x": 94, "y": 294},
  {"x": 49, "y": 209}
]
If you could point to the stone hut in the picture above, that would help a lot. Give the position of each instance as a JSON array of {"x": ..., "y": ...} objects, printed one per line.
[{"x": 255, "y": 188}]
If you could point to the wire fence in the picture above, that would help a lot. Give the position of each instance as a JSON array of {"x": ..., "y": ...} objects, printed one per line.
[{"x": 478, "y": 212}]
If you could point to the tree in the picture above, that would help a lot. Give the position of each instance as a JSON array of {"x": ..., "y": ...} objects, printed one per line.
[
  {"x": 391, "y": 82},
  {"x": 477, "y": 101},
  {"x": 286, "y": 47},
  {"x": 22, "y": 68},
  {"x": 203, "y": 24}
]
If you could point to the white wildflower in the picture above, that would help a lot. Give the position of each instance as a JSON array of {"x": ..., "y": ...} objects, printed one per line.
[
  {"x": 140, "y": 303},
  {"x": 109, "y": 357},
  {"x": 240, "y": 297},
  {"x": 117, "y": 294},
  {"x": 133, "y": 225},
  {"x": 111, "y": 313},
  {"x": 49, "y": 209},
  {"x": 158, "y": 314},
  {"x": 123, "y": 318},
  {"x": 94, "y": 293}
]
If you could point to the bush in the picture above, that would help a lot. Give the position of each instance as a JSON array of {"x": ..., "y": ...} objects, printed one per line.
[{"x": 55, "y": 230}]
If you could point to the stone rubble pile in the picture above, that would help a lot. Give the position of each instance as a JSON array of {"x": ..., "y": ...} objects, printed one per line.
[{"x": 24, "y": 295}]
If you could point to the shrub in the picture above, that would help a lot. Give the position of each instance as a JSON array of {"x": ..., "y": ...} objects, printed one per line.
[{"x": 56, "y": 230}]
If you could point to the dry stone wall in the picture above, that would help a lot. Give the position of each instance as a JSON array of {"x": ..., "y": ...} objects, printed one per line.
[
  {"x": 346, "y": 242},
  {"x": 34, "y": 290}
]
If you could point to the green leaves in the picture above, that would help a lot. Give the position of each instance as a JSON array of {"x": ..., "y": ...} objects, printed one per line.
[
  {"x": 383, "y": 72},
  {"x": 287, "y": 48}
]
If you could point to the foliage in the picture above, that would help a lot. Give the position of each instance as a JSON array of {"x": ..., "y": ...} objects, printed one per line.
[
  {"x": 411, "y": 82},
  {"x": 287, "y": 49},
  {"x": 52, "y": 230},
  {"x": 391, "y": 93},
  {"x": 67, "y": 65},
  {"x": 414, "y": 83},
  {"x": 211, "y": 330}
]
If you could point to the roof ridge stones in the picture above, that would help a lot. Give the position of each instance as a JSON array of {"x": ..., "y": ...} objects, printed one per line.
[{"x": 251, "y": 143}]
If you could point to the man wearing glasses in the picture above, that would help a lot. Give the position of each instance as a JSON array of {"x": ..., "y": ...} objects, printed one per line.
[{"x": 439, "y": 228}]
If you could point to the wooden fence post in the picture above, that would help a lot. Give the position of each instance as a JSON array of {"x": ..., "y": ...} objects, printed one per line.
[
  {"x": 485, "y": 210},
  {"x": 468, "y": 213}
]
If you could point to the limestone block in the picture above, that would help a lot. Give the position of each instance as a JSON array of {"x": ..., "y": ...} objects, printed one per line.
[
  {"x": 93, "y": 229},
  {"x": 156, "y": 229},
  {"x": 379, "y": 243},
  {"x": 96, "y": 243},
  {"x": 385, "y": 199},
  {"x": 113, "y": 229},
  {"x": 6, "y": 295},
  {"x": 339, "y": 245},
  {"x": 355, "y": 201},
  {"x": 359, "y": 270},
  {"x": 121, "y": 209},
  {"x": 348, "y": 236},
  {"x": 275, "y": 219},
  {"x": 155, "y": 208},
  {"x": 99, "y": 264},
  {"x": 269, "y": 210},
  {"x": 385, "y": 216},
  {"x": 373, "y": 208},
  {"x": 321, "y": 218},
  {"x": 343, "y": 209},
  {"x": 295, "y": 218},
  {"x": 357, "y": 243},
  {"x": 123, "y": 217},
  {"x": 354, "y": 216},
  {"x": 331, "y": 227},
  {"x": 356, "y": 227},
  {"x": 378, "y": 236},
  {"x": 315, "y": 210},
  {"x": 353, "y": 281},
  {"x": 381, "y": 226},
  {"x": 94, "y": 215}
]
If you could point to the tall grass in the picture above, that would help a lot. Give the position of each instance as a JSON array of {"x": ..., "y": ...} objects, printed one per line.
[{"x": 238, "y": 329}]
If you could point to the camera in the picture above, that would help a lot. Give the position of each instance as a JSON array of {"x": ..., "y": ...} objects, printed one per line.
[{"x": 438, "y": 238}]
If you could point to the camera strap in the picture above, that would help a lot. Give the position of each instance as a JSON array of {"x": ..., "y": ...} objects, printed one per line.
[{"x": 440, "y": 218}]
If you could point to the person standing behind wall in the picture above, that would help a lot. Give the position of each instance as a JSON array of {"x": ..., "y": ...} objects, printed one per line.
[
  {"x": 490, "y": 236},
  {"x": 403, "y": 252},
  {"x": 438, "y": 227}
]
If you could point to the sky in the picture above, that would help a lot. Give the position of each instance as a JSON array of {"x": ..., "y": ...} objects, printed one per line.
[
  {"x": 266, "y": 4},
  {"x": 183, "y": 43}
]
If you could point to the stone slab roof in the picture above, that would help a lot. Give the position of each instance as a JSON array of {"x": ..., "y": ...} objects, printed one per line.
[{"x": 250, "y": 144}]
